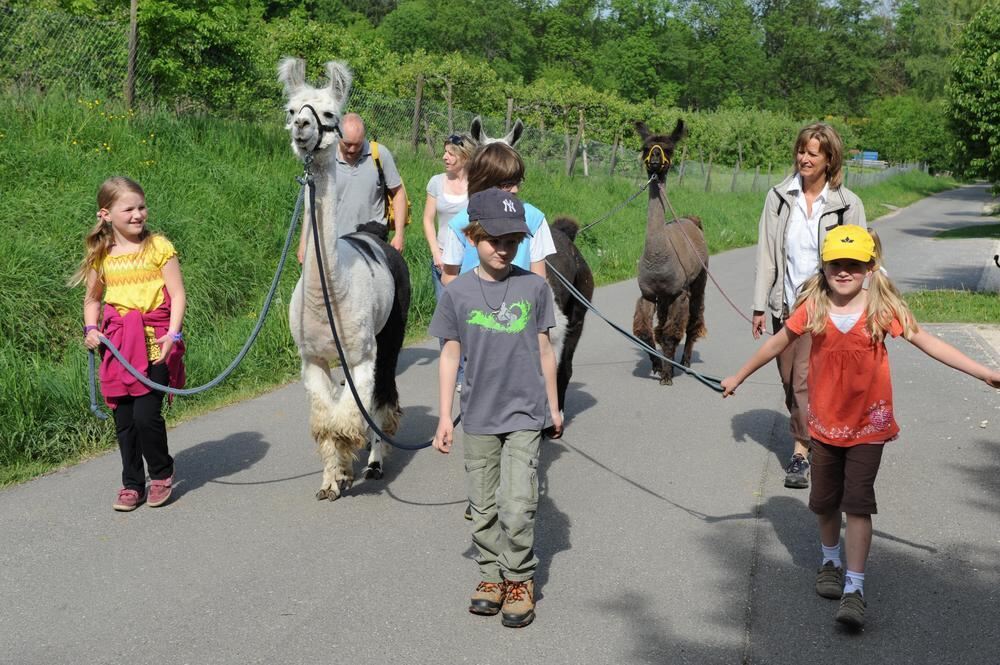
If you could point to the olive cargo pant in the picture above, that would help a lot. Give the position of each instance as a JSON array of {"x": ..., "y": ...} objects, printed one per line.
[{"x": 501, "y": 472}]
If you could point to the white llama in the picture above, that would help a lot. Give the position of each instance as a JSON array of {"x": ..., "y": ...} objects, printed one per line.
[{"x": 369, "y": 290}]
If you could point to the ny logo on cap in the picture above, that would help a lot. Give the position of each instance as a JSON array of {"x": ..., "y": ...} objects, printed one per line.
[{"x": 508, "y": 206}]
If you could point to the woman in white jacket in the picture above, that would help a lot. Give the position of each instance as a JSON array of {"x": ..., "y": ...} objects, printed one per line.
[{"x": 797, "y": 214}]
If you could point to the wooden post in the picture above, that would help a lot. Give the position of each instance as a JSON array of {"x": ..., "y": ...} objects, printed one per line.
[
  {"x": 571, "y": 162},
  {"x": 701, "y": 160},
  {"x": 451, "y": 106},
  {"x": 680, "y": 171},
  {"x": 708, "y": 175},
  {"x": 614, "y": 153},
  {"x": 769, "y": 175},
  {"x": 756, "y": 175},
  {"x": 510, "y": 113},
  {"x": 739, "y": 150},
  {"x": 415, "y": 128},
  {"x": 133, "y": 39},
  {"x": 428, "y": 137},
  {"x": 736, "y": 173}
]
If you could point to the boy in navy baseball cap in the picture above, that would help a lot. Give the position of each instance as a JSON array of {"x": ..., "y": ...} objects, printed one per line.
[{"x": 498, "y": 317}]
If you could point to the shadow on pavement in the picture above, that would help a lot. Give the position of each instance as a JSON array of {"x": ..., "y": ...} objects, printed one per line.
[{"x": 210, "y": 460}]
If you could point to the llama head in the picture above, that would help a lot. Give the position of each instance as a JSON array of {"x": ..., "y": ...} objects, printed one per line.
[
  {"x": 658, "y": 149},
  {"x": 312, "y": 115},
  {"x": 479, "y": 134}
]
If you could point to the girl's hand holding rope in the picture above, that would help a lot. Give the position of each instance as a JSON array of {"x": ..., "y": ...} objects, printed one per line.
[
  {"x": 92, "y": 339},
  {"x": 729, "y": 386}
]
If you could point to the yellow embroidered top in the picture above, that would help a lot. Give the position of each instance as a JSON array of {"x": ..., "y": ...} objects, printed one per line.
[{"x": 135, "y": 281}]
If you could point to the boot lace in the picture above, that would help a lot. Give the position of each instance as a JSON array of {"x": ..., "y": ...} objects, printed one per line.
[
  {"x": 490, "y": 587},
  {"x": 516, "y": 591}
]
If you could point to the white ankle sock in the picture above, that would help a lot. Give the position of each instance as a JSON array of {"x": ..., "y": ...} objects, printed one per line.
[
  {"x": 831, "y": 554},
  {"x": 854, "y": 582}
]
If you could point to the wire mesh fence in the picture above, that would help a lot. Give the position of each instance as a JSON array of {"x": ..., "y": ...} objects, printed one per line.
[
  {"x": 46, "y": 50},
  {"x": 392, "y": 121}
]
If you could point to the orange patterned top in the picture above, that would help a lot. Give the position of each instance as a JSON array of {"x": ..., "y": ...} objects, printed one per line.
[{"x": 850, "y": 388}]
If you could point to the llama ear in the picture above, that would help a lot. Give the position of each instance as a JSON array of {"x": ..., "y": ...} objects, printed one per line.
[
  {"x": 476, "y": 130},
  {"x": 680, "y": 131},
  {"x": 640, "y": 127},
  {"x": 340, "y": 79},
  {"x": 292, "y": 74},
  {"x": 514, "y": 135}
]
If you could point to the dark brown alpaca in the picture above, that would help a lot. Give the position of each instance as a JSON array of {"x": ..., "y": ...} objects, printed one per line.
[
  {"x": 569, "y": 262},
  {"x": 672, "y": 271}
]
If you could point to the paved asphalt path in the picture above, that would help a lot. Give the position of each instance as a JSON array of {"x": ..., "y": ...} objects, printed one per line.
[{"x": 664, "y": 530}]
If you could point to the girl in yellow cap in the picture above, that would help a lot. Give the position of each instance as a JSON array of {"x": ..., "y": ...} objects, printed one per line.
[{"x": 850, "y": 397}]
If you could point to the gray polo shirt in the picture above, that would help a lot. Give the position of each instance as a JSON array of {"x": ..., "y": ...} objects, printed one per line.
[{"x": 359, "y": 197}]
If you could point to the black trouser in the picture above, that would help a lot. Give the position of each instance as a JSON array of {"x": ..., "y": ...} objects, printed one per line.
[{"x": 142, "y": 433}]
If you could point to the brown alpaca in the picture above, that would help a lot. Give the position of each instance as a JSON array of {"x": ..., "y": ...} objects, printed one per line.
[{"x": 672, "y": 271}]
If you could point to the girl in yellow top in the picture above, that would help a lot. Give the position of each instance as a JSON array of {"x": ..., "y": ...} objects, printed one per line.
[{"x": 137, "y": 276}]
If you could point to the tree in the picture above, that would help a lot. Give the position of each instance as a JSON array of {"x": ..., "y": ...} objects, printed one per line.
[
  {"x": 909, "y": 129},
  {"x": 974, "y": 95}
]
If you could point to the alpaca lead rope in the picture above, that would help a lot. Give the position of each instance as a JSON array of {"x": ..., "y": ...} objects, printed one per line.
[{"x": 614, "y": 210}]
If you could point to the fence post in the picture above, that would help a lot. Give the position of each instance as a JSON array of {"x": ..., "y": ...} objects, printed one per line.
[
  {"x": 708, "y": 174},
  {"x": 415, "y": 129},
  {"x": 614, "y": 153},
  {"x": 451, "y": 107},
  {"x": 510, "y": 113},
  {"x": 427, "y": 136},
  {"x": 701, "y": 160},
  {"x": 756, "y": 175},
  {"x": 571, "y": 155},
  {"x": 133, "y": 38},
  {"x": 736, "y": 173},
  {"x": 680, "y": 171}
]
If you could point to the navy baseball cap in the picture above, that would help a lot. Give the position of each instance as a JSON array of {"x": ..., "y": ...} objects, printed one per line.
[{"x": 499, "y": 212}]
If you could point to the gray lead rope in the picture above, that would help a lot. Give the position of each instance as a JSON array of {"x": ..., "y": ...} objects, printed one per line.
[
  {"x": 620, "y": 206},
  {"x": 710, "y": 381},
  {"x": 96, "y": 410}
]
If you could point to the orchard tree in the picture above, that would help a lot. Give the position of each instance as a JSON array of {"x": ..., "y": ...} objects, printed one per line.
[{"x": 974, "y": 95}]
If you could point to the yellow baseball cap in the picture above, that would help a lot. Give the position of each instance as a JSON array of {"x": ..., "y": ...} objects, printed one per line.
[{"x": 849, "y": 242}]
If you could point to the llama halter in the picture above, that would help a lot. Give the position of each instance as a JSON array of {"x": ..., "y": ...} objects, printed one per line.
[
  {"x": 335, "y": 127},
  {"x": 656, "y": 160}
]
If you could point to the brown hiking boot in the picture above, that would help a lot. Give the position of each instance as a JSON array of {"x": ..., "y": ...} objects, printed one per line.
[
  {"x": 519, "y": 604},
  {"x": 487, "y": 599}
]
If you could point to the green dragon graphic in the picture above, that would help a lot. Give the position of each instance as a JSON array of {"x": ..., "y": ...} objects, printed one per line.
[{"x": 505, "y": 320}]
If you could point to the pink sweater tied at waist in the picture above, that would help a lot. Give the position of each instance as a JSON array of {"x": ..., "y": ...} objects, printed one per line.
[{"x": 128, "y": 334}]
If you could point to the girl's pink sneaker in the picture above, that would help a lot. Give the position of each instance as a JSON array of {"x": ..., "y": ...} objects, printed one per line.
[
  {"x": 128, "y": 500},
  {"x": 159, "y": 491}
]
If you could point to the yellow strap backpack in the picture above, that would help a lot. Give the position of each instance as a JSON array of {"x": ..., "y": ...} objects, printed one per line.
[{"x": 390, "y": 214}]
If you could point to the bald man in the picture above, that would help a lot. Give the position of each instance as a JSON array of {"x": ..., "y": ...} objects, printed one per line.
[{"x": 360, "y": 194}]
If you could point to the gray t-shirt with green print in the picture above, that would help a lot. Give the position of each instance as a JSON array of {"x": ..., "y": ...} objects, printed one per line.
[{"x": 497, "y": 324}]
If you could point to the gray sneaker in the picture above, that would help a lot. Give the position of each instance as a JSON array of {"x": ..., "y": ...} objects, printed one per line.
[
  {"x": 797, "y": 472},
  {"x": 830, "y": 581},
  {"x": 852, "y": 610}
]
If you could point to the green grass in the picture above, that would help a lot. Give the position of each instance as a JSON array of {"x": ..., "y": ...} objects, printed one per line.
[
  {"x": 223, "y": 192},
  {"x": 954, "y": 306},
  {"x": 974, "y": 231}
]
